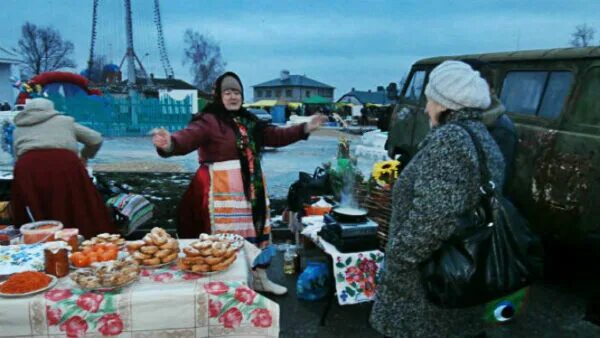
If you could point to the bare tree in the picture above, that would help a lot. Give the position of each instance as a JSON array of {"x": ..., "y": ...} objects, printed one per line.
[
  {"x": 204, "y": 57},
  {"x": 583, "y": 36},
  {"x": 43, "y": 49}
]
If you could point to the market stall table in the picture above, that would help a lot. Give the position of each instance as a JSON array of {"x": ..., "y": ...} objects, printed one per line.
[
  {"x": 163, "y": 302},
  {"x": 355, "y": 273}
]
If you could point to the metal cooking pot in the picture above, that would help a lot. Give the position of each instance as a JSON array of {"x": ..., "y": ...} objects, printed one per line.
[{"x": 348, "y": 214}]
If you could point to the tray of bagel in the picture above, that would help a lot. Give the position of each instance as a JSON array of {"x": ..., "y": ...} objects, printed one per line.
[
  {"x": 105, "y": 238},
  {"x": 208, "y": 255},
  {"x": 156, "y": 249}
]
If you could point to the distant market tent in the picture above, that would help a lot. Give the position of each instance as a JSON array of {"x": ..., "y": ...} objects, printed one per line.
[
  {"x": 317, "y": 100},
  {"x": 261, "y": 104},
  {"x": 294, "y": 105},
  {"x": 272, "y": 103}
]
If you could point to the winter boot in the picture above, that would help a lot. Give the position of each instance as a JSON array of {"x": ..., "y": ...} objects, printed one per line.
[{"x": 264, "y": 284}]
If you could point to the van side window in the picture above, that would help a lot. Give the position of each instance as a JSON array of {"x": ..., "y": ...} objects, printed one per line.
[
  {"x": 522, "y": 91},
  {"x": 557, "y": 89},
  {"x": 415, "y": 87},
  {"x": 536, "y": 92},
  {"x": 588, "y": 105}
]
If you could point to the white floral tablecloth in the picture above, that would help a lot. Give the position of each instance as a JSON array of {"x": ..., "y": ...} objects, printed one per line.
[
  {"x": 356, "y": 274},
  {"x": 24, "y": 257},
  {"x": 164, "y": 302}
]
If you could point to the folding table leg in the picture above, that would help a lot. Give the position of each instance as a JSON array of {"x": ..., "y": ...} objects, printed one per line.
[{"x": 331, "y": 294}]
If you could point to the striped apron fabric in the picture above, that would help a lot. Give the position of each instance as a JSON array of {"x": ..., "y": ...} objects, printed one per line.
[{"x": 230, "y": 211}]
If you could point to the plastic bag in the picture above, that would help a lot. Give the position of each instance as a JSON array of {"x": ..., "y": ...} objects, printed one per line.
[{"x": 312, "y": 284}]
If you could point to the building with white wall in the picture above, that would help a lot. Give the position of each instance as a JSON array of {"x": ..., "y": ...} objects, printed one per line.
[{"x": 8, "y": 67}]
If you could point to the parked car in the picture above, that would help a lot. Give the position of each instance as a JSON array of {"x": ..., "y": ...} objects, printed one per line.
[
  {"x": 261, "y": 114},
  {"x": 552, "y": 97}
]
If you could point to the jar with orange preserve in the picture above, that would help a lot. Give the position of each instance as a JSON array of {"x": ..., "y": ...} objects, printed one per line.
[
  {"x": 56, "y": 261},
  {"x": 69, "y": 235}
]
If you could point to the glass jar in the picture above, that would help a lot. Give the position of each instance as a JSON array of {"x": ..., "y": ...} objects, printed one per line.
[
  {"x": 288, "y": 259},
  {"x": 56, "y": 261}
]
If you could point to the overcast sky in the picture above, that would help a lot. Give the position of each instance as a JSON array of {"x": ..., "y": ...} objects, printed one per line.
[{"x": 345, "y": 44}]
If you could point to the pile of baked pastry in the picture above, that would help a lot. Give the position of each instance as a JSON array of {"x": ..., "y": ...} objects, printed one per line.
[
  {"x": 208, "y": 254},
  {"x": 107, "y": 274},
  {"x": 156, "y": 248},
  {"x": 115, "y": 239}
]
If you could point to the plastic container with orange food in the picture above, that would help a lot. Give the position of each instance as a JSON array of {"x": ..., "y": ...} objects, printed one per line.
[
  {"x": 319, "y": 208},
  {"x": 39, "y": 232}
]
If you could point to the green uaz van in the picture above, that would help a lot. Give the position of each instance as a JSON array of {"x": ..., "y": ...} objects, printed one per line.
[{"x": 553, "y": 97}]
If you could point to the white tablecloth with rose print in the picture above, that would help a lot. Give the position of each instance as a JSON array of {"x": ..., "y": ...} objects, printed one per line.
[
  {"x": 164, "y": 302},
  {"x": 355, "y": 273}
]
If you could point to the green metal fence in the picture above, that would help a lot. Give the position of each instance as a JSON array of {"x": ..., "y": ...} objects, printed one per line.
[{"x": 126, "y": 116}]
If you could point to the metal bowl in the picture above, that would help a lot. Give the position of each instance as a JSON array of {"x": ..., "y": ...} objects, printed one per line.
[{"x": 349, "y": 214}]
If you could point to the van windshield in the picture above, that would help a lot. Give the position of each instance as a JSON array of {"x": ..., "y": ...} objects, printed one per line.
[{"x": 414, "y": 90}]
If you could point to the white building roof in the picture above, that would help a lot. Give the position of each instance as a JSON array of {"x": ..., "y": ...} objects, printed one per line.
[{"x": 8, "y": 56}]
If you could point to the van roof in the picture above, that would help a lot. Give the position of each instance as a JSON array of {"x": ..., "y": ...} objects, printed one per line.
[{"x": 524, "y": 55}]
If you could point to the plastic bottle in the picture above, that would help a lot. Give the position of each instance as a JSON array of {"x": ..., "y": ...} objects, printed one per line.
[
  {"x": 298, "y": 250},
  {"x": 288, "y": 261}
]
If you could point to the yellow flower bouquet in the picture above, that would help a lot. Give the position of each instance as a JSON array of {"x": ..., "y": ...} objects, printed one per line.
[{"x": 385, "y": 173}]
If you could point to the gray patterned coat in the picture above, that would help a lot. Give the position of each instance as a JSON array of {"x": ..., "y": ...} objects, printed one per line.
[{"x": 439, "y": 183}]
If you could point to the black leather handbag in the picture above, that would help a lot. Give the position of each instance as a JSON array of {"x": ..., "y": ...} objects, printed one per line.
[
  {"x": 300, "y": 192},
  {"x": 491, "y": 253}
]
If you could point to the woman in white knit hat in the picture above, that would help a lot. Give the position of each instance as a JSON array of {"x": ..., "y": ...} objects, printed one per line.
[{"x": 438, "y": 184}]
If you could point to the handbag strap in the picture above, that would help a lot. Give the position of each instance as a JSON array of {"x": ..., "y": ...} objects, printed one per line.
[
  {"x": 486, "y": 185},
  {"x": 318, "y": 172}
]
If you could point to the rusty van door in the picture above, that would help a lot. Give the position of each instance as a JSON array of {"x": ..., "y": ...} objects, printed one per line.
[
  {"x": 572, "y": 174},
  {"x": 554, "y": 173}
]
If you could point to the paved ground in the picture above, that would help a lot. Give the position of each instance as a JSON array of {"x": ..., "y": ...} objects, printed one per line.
[{"x": 300, "y": 319}]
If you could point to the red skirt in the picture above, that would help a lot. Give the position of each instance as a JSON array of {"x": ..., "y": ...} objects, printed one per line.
[
  {"x": 54, "y": 184},
  {"x": 193, "y": 216}
]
